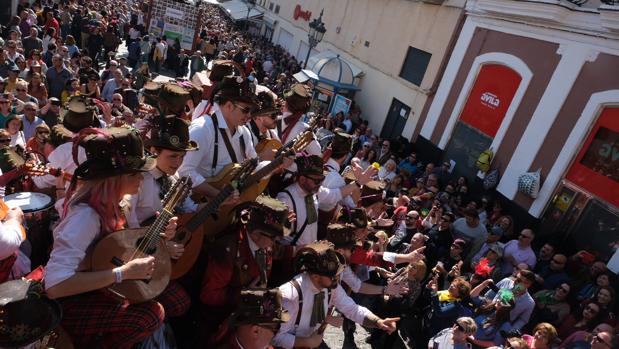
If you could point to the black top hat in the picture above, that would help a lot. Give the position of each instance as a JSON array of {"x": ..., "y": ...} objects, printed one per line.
[
  {"x": 268, "y": 215},
  {"x": 342, "y": 235},
  {"x": 372, "y": 192},
  {"x": 267, "y": 104},
  {"x": 260, "y": 306},
  {"x": 341, "y": 145},
  {"x": 235, "y": 88},
  {"x": 320, "y": 258},
  {"x": 298, "y": 98},
  {"x": 151, "y": 92},
  {"x": 171, "y": 133},
  {"x": 80, "y": 113},
  {"x": 25, "y": 315},
  {"x": 111, "y": 152},
  {"x": 310, "y": 165},
  {"x": 356, "y": 216}
]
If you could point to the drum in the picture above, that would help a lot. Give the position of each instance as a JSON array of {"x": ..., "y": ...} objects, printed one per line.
[{"x": 37, "y": 208}]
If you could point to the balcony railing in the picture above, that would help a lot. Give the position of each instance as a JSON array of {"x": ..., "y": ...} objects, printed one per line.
[
  {"x": 610, "y": 2},
  {"x": 582, "y": 2}
]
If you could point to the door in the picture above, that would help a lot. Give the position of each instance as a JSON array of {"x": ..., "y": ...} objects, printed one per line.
[
  {"x": 396, "y": 120},
  {"x": 284, "y": 39}
]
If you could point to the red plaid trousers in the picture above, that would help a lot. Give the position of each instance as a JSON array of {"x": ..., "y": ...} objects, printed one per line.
[{"x": 96, "y": 319}]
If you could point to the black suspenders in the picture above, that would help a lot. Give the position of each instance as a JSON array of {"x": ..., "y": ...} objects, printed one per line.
[
  {"x": 299, "y": 232},
  {"x": 224, "y": 135}
]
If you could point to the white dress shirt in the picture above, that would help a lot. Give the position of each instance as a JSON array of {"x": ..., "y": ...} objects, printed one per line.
[
  {"x": 147, "y": 202},
  {"x": 333, "y": 180},
  {"x": 62, "y": 158},
  {"x": 310, "y": 234},
  {"x": 197, "y": 164},
  {"x": 313, "y": 148},
  {"x": 290, "y": 301},
  {"x": 10, "y": 240},
  {"x": 72, "y": 238},
  {"x": 351, "y": 279}
]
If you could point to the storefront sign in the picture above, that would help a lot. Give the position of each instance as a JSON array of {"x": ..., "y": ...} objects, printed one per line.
[
  {"x": 596, "y": 167},
  {"x": 340, "y": 104},
  {"x": 299, "y": 13},
  {"x": 490, "y": 98},
  {"x": 174, "y": 13}
]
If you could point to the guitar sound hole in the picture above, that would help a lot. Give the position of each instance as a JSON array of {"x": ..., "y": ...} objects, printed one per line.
[
  {"x": 149, "y": 251},
  {"x": 180, "y": 235}
]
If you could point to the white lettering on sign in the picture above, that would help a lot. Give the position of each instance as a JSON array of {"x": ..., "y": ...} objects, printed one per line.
[
  {"x": 490, "y": 100},
  {"x": 174, "y": 13},
  {"x": 609, "y": 151}
]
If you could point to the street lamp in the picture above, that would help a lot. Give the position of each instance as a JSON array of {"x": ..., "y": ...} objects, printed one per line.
[{"x": 316, "y": 32}]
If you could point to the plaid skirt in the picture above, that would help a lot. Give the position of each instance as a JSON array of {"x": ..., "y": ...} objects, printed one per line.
[{"x": 98, "y": 320}]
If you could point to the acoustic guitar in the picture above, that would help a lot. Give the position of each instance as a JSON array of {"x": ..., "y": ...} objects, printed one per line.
[
  {"x": 255, "y": 184},
  {"x": 120, "y": 247},
  {"x": 189, "y": 233}
]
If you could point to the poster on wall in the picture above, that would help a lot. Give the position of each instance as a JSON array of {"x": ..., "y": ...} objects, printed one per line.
[
  {"x": 175, "y": 20},
  {"x": 490, "y": 98},
  {"x": 340, "y": 104}
]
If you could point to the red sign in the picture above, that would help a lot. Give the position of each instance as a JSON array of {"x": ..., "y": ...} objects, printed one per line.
[
  {"x": 299, "y": 13},
  {"x": 490, "y": 98},
  {"x": 596, "y": 167}
]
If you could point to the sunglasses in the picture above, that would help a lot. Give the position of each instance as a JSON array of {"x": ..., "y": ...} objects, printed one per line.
[
  {"x": 411, "y": 217},
  {"x": 459, "y": 327},
  {"x": 6, "y": 140},
  {"x": 43, "y": 132},
  {"x": 243, "y": 109},
  {"x": 316, "y": 181},
  {"x": 524, "y": 236},
  {"x": 4, "y": 102}
]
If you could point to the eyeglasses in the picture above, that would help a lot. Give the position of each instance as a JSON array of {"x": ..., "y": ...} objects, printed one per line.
[
  {"x": 601, "y": 340},
  {"x": 43, "y": 132},
  {"x": 525, "y": 236},
  {"x": 243, "y": 109},
  {"x": 6, "y": 140},
  {"x": 116, "y": 99},
  {"x": 411, "y": 217},
  {"x": 366, "y": 145}
]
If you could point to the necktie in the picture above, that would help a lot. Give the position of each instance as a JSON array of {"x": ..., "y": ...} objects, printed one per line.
[
  {"x": 261, "y": 260},
  {"x": 318, "y": 309},
  {"x": 310, "y": 209},
  {"x": 165, "y": 183}
]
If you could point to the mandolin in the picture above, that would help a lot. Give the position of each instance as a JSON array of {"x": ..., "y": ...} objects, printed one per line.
[
  {"x": 120, "y": 247},
  {"x": 254, "y": 184},
  {"x": 189, "y": 233}
]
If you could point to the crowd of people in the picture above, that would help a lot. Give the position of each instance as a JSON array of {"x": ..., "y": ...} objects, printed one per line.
[{"x": 323, "y": 223}]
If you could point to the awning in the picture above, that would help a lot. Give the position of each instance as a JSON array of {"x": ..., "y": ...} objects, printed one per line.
[
  {"x": 305, "y": 75},
  {"x": 237, "y": 10},
  {"x": 357, "y": 72}
]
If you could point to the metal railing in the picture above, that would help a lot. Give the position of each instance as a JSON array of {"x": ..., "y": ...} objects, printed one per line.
[{"x": 610, "y": 2}]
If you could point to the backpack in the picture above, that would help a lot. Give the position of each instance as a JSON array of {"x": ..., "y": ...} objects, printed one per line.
[
  {"x": 484, "y": 160},
  {"x": 529, "y": 183}
]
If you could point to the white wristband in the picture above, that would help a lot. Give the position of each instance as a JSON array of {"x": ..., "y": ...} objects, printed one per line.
[
  {"x": 118, "y": 275},
  {"x": 389, "y": 257}
]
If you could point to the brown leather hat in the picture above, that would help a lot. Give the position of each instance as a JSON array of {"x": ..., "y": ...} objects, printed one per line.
[
  {"x": 320, "y": 258},
  {"x": 173, "y": 98},
  {"x": 25, "y": 315},
  {"x": 235, "y": 88},
  {"x": 80, "y": 113},
  {"x": 260, "y": 306},
  {"x": 298, "y": 98},
  {"x": 269, "y": 216},
  {"x": 355, "y": 216},
  {"x": 172, "y": 133},
  {"x": 341, "y": 145},
  {"x": 342, "y": 235},
  {"x": 111, "y": 152},
  {"x": 309, "y": 165},
  {"x": 267, "y": 104},
  {"x": 372, "y": 192}
]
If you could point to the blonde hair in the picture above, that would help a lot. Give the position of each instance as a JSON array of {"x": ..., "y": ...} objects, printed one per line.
[
  {"x": 421, "y": 270},
  {"x": 381, "y": 233},
  {"x": 548, "y": 330},
  {"x": 468, "y": 324}
]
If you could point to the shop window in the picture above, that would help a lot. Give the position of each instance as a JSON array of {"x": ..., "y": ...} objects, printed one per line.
[
  {"x": 277, "y": 9},
  {"x": 415, "y": 65}
]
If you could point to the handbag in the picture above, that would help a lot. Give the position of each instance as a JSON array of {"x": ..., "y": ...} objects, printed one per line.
[
  {"x": 529, "y": 183},
  {"x": 491, "y": 179}
]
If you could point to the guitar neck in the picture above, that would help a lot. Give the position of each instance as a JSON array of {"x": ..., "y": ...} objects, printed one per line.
[
  {"x": 201, "y": 216},
  {"x": 153, "y": 233},
  {"x": 263, "y": 172}
]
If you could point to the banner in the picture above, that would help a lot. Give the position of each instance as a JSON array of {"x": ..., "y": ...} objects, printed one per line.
[
  {"x": 490, "y": 98},
  {"x": 340, "y": 104}
]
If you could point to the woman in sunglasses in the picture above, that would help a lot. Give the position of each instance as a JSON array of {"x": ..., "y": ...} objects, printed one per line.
[
  {"x": 456, "y": 336},
  {"x": 583, "y": 320}
]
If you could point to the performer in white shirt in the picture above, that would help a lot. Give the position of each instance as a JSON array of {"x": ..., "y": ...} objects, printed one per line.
[
  {"x": 297, "y": 103},
  {"x": 309, "y": 296}
]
